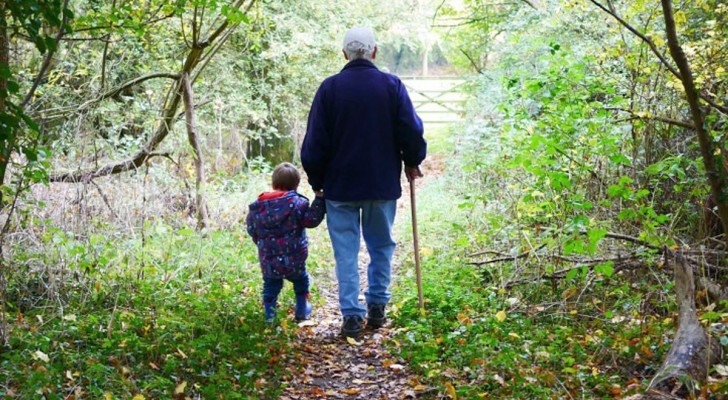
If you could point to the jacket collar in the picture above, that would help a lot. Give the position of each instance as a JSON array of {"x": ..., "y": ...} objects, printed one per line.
[
  {"x": 360, "y": 63},
  {"x": 274, "y": 195}
]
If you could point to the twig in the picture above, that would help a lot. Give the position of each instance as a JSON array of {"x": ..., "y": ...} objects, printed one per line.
[
  {"x": 509, "y": 258},
  {"x": 636, "y": 115},
  {"x": 48, "y": 58},
  {"x": 640, "y": 35},
  {"x": 561, "y": 274},
  {"x": 106, "y": 199}
]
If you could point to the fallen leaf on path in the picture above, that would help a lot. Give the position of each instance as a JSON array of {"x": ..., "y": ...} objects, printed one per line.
[
  {"x": 181, "y": 353},
  {"x": 351, "y": 391},
  {"x": 451, "y": 390},
  {"x": 500, "y": 316},
  {"x": 396, "y": 367},
  {"x": 464, "y": 319},
  {"x": 39, "y": 355},
  {"x": 180, "y": 389},
  {"x": 308, "y": 322},
  {"x": 353, "y": 341}
]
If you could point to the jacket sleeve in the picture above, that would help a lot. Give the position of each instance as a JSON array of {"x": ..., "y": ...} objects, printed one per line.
[
  {"x": 250, "y": 226},
  {"x": 311, "y": 216},
  {"x": 315, "y": 150},
  {"x": 409, "y": 130}
]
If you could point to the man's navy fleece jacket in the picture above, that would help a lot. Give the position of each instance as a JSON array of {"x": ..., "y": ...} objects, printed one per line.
[{"x": 361, "y": 127}]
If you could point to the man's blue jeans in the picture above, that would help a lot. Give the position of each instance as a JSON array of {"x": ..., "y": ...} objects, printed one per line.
[{"x": 374, "y": 219}]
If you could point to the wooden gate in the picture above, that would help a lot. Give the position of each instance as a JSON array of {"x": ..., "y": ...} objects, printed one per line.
[{"x": 438, "y": 100}]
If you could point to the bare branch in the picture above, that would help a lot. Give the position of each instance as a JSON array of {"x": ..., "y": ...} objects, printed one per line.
[
  {"x": 126, "y": 85},
  {"x": 472, "y": 62},
  {"x": 508, "y": 258},
  {"x": 640, "y": 35},
  {"x": 638, "y": 115},
  {"x": 703, "y": 95},
  {"x": 47, "y": 60},
  {"x": 169, "y": 116},
  {"x": 202, "y": 216}
]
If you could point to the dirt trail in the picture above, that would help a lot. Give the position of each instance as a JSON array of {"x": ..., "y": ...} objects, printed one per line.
[{"x": 326, "y": 365}]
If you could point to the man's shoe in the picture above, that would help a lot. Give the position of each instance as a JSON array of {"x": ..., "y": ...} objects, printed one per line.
[
  {"x": 352, "y": 326},
  {"x": 376, "y": 317},
  {"x": 303, "y": 307}
]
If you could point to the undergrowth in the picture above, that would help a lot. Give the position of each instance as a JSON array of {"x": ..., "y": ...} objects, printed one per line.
[
  {"x": 178, "y": 317},
  {"x": 591, "y": 334}
]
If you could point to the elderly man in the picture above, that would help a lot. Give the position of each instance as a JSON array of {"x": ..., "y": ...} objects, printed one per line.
[{"x": 361, "y": 128}]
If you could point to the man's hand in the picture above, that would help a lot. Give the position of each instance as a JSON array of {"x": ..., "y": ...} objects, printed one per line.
[
  {"x": 319, "y": 193},
  {"x": 412, "y": 173}
]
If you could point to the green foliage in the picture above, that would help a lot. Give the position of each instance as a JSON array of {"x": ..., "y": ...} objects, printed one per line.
[
  {"x": 145, "y": 319},
  {"x": 531, "y": 350}
]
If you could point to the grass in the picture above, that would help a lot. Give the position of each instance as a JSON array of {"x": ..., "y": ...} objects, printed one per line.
[{"x": 188, "y": 321}]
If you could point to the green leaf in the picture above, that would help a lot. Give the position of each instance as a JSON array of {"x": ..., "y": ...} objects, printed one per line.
[
  {"x": 620, "y": 159},
  {"x": 185, "y": 232},
  {"x": 559, "y": 180},
  {"x": 606, "y": 269},
  {"x": 13, "y": 87},
  {"x": 595, "y": 235},
  {"x": 5, "y": 71}
]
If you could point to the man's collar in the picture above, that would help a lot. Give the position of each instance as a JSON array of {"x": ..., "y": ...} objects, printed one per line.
[{"x": 359, "y": 63}]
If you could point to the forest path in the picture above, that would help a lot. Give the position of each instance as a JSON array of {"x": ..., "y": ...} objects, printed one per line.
[{"x": 324, "y": 364}]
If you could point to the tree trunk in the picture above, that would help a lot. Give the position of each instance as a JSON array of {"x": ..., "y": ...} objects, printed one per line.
[
  {"x": 5, "y": 144},
  {"x": 714, "y": 170},
  {"x": 693, "y": 351},
  {"x": 202, "y": 217}
]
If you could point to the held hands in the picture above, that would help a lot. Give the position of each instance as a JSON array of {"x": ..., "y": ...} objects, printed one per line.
[
  {"x": 319, "y": 193},
  {"x": 412, "y": 173}
]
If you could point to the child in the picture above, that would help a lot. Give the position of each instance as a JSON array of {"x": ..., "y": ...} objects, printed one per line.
[{"x": 277, "y": 222}]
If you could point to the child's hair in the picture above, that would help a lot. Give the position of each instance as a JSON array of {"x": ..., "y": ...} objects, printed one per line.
[{"x": 286, "y": 177}]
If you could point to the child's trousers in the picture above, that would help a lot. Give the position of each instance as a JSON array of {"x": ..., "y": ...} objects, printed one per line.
[{"x": 272, "y": 287}]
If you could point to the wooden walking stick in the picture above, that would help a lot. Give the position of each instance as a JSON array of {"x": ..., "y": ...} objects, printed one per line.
[{"x": 418, "y": 271}]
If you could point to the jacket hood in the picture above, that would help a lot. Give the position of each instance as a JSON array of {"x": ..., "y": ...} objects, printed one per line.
[{"x": 271, "y": 212}]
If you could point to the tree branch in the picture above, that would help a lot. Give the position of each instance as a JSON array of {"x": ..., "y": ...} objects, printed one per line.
[
  {"x": 703, "y": 95},
  {"x": 127, "y": 85},
  {"x": 47, "y": 60},
  {"x": 637, "y": 115},
  {"x": 639, "y": 34},
  {"x": 169, "y": 115},
  {"x": 508, "y": 258}
]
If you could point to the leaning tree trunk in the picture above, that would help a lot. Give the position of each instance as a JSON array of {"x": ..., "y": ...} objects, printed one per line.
[
  {"x": 202, "y": 218},
  {"x": 693, "y": 351},
  {"x": 714, "y": 170}
]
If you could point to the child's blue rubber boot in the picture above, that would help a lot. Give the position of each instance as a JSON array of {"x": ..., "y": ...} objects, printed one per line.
[
  {"x": 303, "y": 307},
  {"x": 270, "y": 312}
]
